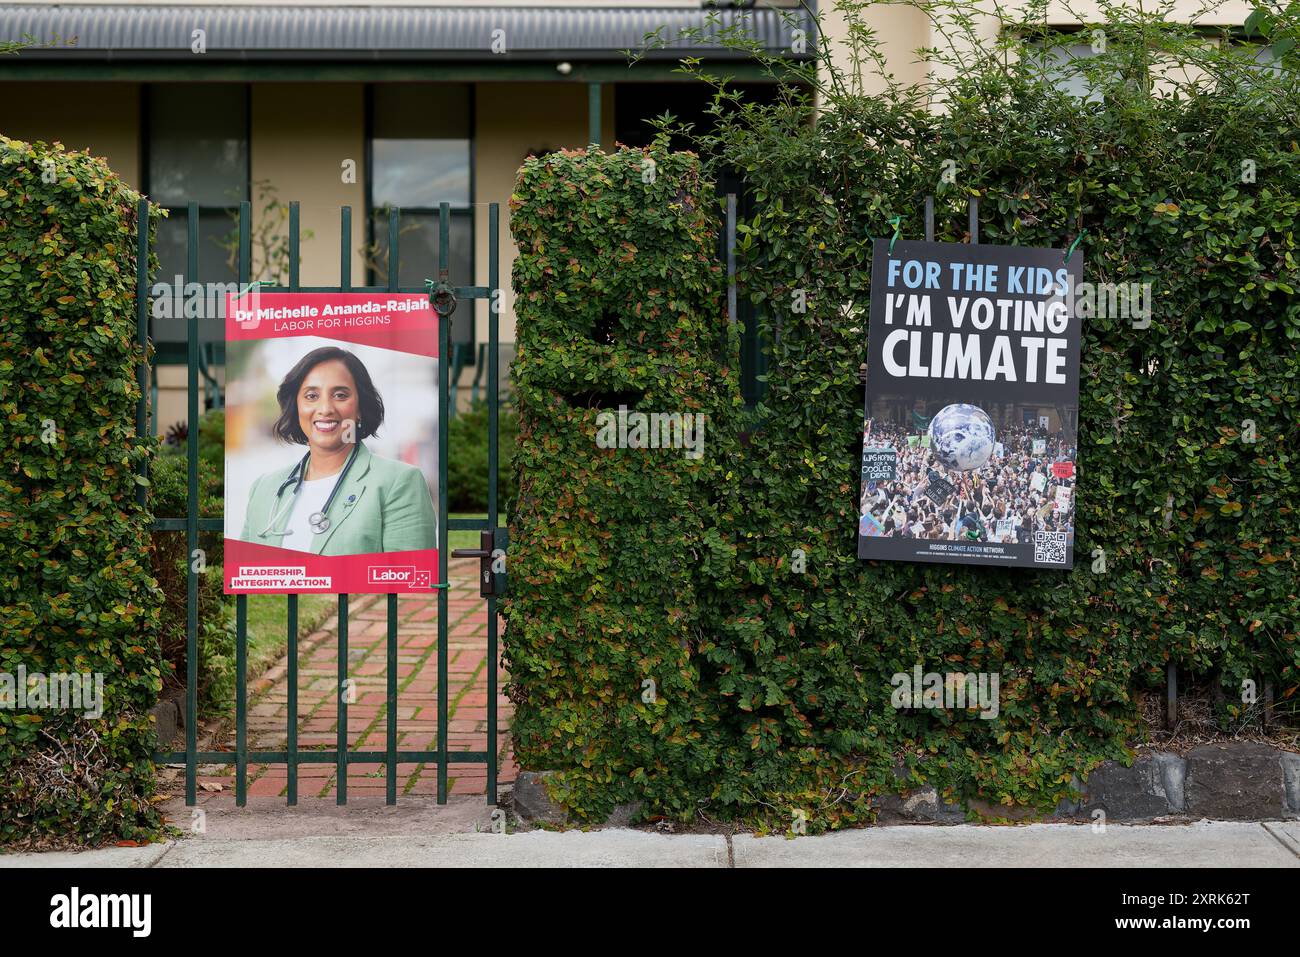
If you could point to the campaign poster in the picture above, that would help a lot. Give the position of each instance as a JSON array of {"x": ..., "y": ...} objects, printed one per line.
[
  {"x": 973, "y": 378},
  {"x": 331, "y": 443}
]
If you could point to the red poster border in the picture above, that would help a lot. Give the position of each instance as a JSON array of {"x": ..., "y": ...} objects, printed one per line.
[{"x": 400, "y": 322}]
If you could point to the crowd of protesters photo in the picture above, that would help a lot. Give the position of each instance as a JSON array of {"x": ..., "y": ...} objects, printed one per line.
[{"x": 1016, "y": 493}]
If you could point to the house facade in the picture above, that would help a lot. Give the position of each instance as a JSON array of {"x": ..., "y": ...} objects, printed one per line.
[{"x": 374, "y": 106}]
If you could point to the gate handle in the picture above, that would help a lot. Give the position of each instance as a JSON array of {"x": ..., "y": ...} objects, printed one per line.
[
  {"x": 442, "y": 296},
  {"x": 486, "y": 578}
]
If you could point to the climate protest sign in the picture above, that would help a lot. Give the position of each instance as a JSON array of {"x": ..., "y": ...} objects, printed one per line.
[
  {"x": 878, "y": 464},
  {"x": 973, "y": 385}
]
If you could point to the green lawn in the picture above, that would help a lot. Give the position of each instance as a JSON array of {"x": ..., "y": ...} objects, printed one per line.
[{"x": 460, "y": 539}]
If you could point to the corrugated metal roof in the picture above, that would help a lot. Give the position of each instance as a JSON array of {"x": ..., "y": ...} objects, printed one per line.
[{"x": 267, "y": 32}]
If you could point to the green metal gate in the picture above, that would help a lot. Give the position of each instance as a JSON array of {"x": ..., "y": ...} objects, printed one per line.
[{"x": 443, "y": 294}]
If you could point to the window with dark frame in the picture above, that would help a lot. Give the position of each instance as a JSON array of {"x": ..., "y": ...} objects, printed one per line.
[
  {"x": 1059, "y": 61},
  {"x": 419, "y": 142},
  {"x": 196, "y": 149}
]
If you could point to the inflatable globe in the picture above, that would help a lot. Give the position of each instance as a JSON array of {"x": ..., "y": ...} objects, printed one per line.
[{"x": 961, "y": 436}]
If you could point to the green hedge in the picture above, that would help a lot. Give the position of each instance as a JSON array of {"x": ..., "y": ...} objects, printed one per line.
[
  {"x": 784, "y": 703},
  {"x": 618, "y": 301},
  {"x": 76, "y": 594},
  {"x": 1198, "y": 529}
]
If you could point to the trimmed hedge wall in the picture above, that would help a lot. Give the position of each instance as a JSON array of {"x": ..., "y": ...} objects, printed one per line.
[
  {"x": 76, "y": 594},
  {"x": 1188, "y": 545},
  {"x": 618, "y": 302}
]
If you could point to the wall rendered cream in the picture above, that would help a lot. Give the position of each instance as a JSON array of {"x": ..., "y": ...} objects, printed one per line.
[{"x": 103, "y": 118}]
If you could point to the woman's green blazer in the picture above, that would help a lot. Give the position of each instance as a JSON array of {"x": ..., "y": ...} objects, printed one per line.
[{"x": 382, "y": 506}]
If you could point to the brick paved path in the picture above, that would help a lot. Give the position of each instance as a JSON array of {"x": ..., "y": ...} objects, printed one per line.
[{"x": 417, "y": 708}]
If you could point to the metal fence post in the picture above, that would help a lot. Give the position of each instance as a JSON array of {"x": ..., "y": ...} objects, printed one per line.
[
  {"x": 444, "y": 416},
  {"x": 494, "y": 438},
  {"x": 192, "y": 516}
]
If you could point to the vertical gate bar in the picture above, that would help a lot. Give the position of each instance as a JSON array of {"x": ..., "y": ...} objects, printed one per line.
[
  {"x": 444, "y": 239},
  {"x": 394, "y": 238},
  {"x": 341, "y": 738},
  {"x": 392, "y": 699},
  {"x": 241, "y": 700},
  {"x": 291, "y": 601},
  {"x": 929, "y": 219},
  {"x": 142, "y": 337},
  {"x": 494, "y": 438},
  {"x": 593, "y": 114},
  {"x": 974, "y": 220},
  {"x": 345, "y": 248},
  {"x": 444, "y": 259},
  {"x": 192, "y": 514},
  {"x": 394, "y": 268},
  {"x": 244, "y": 267},
  {"x": 292, "y": 707},
  {"x": 293, "y": 246},
  {"x": 444, "y": 335},
  {"x": 245, "y": 243}
]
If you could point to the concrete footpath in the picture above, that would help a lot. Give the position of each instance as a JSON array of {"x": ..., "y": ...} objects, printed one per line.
[{"x": 460, "y": 834}]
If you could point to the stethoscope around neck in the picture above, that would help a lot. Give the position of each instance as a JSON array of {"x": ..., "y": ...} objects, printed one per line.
[{"x": 318, "y": 522}]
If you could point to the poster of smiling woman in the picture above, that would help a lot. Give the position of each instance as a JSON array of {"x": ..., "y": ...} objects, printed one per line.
[{"x": 331, "y": 443}]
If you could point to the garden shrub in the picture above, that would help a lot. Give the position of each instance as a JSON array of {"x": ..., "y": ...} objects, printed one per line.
[
  {"x": 467, "y": 459},
  {"x": 76, "y": 593},
  {"x": 1187, "y": 532},
  {"x": 618, "y": 304},
  {"x": 1188, "y": 541}
]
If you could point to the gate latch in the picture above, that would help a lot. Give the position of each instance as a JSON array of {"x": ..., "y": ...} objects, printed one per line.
[{"x": 487, "y": 578}]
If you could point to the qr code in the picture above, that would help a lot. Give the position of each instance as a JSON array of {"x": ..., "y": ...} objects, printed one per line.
[{"x": 1049, "y": 547}]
